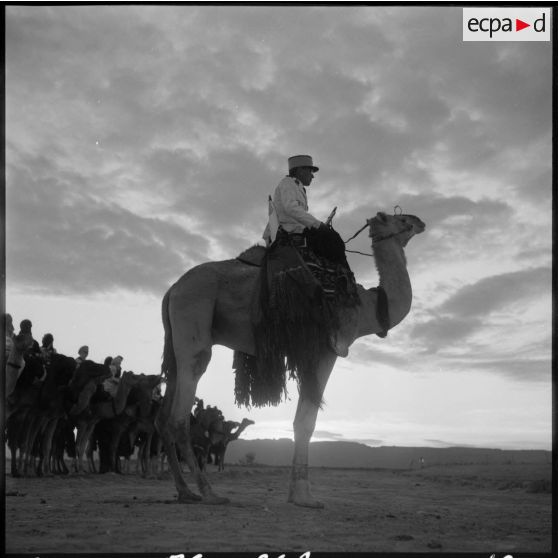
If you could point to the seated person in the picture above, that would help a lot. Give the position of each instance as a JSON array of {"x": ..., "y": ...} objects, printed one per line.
[
  {"x": 289, "y": 206},
  {"x": 47, "y": 347},
  {"x": 83, "y": 353}
]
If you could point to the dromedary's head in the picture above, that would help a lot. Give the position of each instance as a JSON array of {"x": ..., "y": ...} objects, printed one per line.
[{"x": 402, "y": 227}]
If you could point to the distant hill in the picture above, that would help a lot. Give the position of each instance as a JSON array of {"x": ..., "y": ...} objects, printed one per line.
[{"x": 355, "y": 455}]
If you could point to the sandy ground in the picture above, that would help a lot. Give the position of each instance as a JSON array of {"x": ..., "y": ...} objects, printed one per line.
[{"x": 458, "y": 508}]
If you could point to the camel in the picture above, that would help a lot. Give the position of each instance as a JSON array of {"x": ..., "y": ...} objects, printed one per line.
[
  {"x": 51, "y": 407},
  {"x": 99, "y": 410},
  {"x": 142, "y": 433},
  {"x": 137, "y": 411},
  {"x": 202, "y": 422},
  {"x": 115, "y": 433},
  {"x": 38, "y": 407},
  {"x": 22, "y": 409},
  {"x": 83, "y": 385},
  {"x": 211, "y": 304},
  {"x": 221, "y": 435}
]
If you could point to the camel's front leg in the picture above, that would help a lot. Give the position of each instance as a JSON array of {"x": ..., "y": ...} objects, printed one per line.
[{"x": 304, "y": 424}]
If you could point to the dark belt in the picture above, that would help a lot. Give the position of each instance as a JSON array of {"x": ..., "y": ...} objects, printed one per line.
[{"x": 298, "y": 240}]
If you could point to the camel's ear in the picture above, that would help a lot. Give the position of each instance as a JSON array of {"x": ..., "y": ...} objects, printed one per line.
[{"x": 382, "y": 216}]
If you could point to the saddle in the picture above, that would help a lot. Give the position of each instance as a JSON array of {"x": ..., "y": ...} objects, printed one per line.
[{"x": 294, "y": 315}]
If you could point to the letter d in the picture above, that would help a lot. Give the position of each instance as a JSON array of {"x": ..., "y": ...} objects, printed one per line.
[{"x": 536, "y": 24}]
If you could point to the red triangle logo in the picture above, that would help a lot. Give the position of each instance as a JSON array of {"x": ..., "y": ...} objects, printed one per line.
[{"x": 519, "y": 25}]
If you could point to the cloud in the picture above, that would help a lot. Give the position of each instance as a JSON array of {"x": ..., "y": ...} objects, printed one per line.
[
  {"x": 444, "y": 331},
  {"x": 170, "y": 131},
  {"x": 61, "y": 239},
  {"x": 143, "y": 140},
  {"x": 476, "y": 310},
  {"x": 496, "y": 292},
  {"x": 532, "y": 369}
]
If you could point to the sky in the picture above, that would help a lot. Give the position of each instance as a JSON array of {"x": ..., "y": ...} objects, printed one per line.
[{"x": 144, "y": 140}]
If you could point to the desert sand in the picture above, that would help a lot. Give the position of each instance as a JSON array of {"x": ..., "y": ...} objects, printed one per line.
[{"x": 440, "y": 508}]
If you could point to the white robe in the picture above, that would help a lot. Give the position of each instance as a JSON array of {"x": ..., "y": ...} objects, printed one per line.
[{"x": 289, "y": 209}]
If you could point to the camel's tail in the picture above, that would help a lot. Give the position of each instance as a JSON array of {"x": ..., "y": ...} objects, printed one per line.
[
  {"x": 168, "y": 366},
  {"x": 169, "y": 375}
]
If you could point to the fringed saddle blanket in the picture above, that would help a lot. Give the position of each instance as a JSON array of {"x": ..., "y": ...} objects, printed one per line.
[{"x": 300, "y": 290}]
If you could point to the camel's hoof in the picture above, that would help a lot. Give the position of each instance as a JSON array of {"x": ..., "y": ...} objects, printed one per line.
[
  {"x": 300, "y": 495},
  {"x": 189, "y": 498}
]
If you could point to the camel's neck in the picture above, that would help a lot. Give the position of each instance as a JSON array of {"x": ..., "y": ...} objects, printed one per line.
[
  {"x": 243, "y": 426},
  {"x": 394, "y": 278}
]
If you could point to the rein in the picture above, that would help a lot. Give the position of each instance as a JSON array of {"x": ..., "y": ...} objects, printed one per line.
[
  {"x": 354, "y": 236},
  {"x": 357, "y": 233}
]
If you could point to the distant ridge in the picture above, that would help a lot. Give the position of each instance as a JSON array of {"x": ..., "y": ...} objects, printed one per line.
[{"x": 356, "y": 455}]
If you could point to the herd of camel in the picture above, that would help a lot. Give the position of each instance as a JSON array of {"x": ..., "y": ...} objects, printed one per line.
[{"x": 57, "y": 408}]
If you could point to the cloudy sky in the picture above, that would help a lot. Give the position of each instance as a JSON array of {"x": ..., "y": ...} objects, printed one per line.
[{"x": 144, "y": 140}]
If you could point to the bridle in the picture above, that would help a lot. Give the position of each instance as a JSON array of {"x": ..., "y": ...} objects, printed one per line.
[{"x": 376, "y": 239}]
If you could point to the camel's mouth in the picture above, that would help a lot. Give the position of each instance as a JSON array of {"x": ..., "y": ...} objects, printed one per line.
[{"x": 414, "y": 223}]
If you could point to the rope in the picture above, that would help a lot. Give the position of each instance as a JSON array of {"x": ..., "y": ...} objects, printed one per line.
[
  {"x": 361, "y": 253},
  {"x": 356, "y": 234}
]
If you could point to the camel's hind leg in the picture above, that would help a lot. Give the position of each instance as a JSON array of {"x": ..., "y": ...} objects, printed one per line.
[
  {"x": 182, "y": 405},
  {"x": 304, "y": 425},
  {"x": 191, "y": 321}
]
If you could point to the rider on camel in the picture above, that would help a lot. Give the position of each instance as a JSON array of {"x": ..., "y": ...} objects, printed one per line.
[{"x": 289, "y": 206}]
